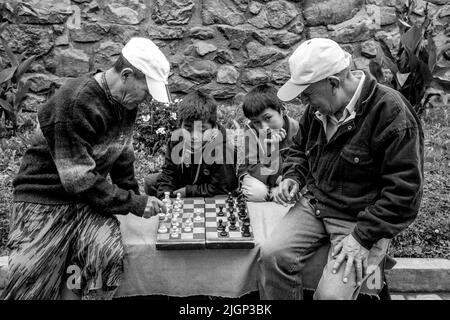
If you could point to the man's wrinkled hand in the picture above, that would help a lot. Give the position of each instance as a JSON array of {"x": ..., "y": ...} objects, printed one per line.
[
  {"x": 350, "y": 250},
  {"x": 288, "y": 191},
  {"x": 153, "y": 207}
]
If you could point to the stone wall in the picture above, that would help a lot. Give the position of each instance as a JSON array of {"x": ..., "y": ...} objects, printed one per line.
[{"x": 224, "y": 46}]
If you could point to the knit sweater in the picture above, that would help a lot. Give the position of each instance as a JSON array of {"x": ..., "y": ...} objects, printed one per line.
[{"x": 82, "y": 137}]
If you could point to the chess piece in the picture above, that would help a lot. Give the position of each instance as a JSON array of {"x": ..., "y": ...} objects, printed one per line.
[
  {"x": 246, "y": 230},
  {"x": 224, "y": 232},
  {"x": 162, "y": 228},
  {"x": 232, "y": 225},
  {"x": 161, "y": 215},
  {"x": 221, "y": 213},
  {"x": 220, "y": 225},
  {"x": 174, "y": 232},
  {"x": 175, "y": 222},
  {"x": 167, "y": 202},
  {"x": 188, "y": 225},
  {"x": 198, "y": 215}
]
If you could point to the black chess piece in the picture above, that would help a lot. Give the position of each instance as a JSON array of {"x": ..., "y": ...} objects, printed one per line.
[
  {"x": 220, "y": 225},
  {"x": 224, "y": 232},
  {"x": 221, "y": 213},
  {"x": 232, "y": 225},
  {"x": 246, "y": 231}
]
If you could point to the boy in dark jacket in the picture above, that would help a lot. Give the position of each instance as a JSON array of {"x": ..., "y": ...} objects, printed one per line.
[
  {"x": 268, "y": 136},
  {"x": 199, "y": 160}
]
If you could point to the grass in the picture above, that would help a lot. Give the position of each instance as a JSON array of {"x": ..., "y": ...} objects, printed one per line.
[{"x": 428, "y": 236}]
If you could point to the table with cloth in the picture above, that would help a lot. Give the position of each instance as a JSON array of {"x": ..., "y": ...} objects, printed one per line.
[{"x": 212, "y": 272}]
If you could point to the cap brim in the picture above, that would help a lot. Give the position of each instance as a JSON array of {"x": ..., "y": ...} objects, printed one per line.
[
  {"x": 159, "y": 90},
  {"x": 291, "y": 90}
]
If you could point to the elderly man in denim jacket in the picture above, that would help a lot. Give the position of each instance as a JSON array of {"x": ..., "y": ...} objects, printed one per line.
[{"x": 355, "y": 172}]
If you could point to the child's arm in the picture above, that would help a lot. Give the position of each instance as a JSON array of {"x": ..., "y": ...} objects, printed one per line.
[{"x": 168, "y": 180}]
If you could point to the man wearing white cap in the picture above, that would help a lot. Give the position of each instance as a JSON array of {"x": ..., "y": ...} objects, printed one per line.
[
  {"x": 355, "y": 172},
  {"x": 65, "y": 240}
]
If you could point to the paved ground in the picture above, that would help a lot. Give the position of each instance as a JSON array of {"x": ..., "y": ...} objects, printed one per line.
[{"x": 420, "y": 296}]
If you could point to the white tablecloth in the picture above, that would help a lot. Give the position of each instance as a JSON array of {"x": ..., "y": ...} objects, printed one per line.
[{"x": 215, "y": 272}]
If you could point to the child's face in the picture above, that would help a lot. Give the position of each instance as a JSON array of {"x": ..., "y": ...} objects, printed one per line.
[
  {"x": 200, "y": 131},
  {"x": 268, "y": 119}
]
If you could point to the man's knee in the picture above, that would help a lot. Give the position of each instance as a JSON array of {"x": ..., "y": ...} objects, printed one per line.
[
  {"x": 331, "y": 286},
  {"x": 276, "y": 255},
  {"x": 253, "y": 189}
]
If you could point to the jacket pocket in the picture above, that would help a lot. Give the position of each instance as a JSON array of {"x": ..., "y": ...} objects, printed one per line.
[{"x": 358, "y": 174}]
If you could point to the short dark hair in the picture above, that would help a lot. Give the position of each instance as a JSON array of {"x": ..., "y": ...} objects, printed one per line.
[
  {"x": 260, "y": 98},
  {"x": 198, "y": 106},
  {"x": 122, "y": 63}
]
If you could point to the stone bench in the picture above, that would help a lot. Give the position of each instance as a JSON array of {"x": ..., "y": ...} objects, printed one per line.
[{"x": 408, "y": 275}]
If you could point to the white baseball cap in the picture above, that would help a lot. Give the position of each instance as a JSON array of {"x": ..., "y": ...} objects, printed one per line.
[
  {"x": 314, "y": 60},
  {"x": 145, "y": 56}
]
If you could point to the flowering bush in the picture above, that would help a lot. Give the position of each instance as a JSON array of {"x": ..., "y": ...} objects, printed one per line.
[{"x": 154, "y": 125}]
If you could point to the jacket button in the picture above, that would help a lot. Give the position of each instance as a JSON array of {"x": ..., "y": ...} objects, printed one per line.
[
  {"x": 349, "y": 127},
  {"x": 317, "y": 212},
  {"x": 356, "y": 160},
  {"x": 307, "y": 153}
]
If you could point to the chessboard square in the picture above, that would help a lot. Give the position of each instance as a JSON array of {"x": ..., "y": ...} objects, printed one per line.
[
  {"x": 188, "y": 236},
  {"x": 163, "y": 236},
  {"x": 210, "y": 206},
  {"x": 211, "y": 234},
  {"x": 235, "y": 235},
  {"x": 199, "y": 230},
  {"x": 210, "y": 224}
]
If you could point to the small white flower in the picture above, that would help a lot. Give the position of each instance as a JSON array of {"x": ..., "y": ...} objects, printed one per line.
[
  {"x": 161, "y": 131},
  {"x": 173, "y": 115},
  {"x": 145, "y": 118}
]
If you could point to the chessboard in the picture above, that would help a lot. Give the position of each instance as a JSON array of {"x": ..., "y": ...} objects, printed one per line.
[
  {"x": 212, "y": 223},
  {"x": 184, "y": 229},
  {"x": 227, "y": 224}
]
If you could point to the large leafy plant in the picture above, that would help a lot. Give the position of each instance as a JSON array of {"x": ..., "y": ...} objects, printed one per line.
[
  {"x": 415, "y": 69},
  {"x": 13, "y": 89}
]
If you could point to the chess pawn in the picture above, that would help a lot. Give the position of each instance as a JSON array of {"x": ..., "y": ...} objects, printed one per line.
[
  {"x": 179, "y": 201},
  {"x": 232, "y": 225},
  {"x": 175, "y": 222},
  {"x": 174, "y": 232},
  {"x": 198, "y": 215},
  {"x": 161, "y": 215},
  {"x": 162, "y": 228},
  {"x": 188, "y": 225},
  {"x": 221, "y": 213}
]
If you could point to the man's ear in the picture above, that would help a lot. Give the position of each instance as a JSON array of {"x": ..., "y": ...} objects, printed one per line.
[
  {"x": 125, "y": 73},
  {"x": 334, "y": 81}
]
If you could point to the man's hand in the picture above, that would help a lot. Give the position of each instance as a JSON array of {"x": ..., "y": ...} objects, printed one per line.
[
  {"x": 181, "y": 191},
  {"x": 153, "y": 207},
  {"x": 288, "y": 191},
  {"x": 349, "y": 249}
]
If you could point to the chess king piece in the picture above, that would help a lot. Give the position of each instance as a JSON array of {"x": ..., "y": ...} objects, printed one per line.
[{"x": 167, "y": 202}]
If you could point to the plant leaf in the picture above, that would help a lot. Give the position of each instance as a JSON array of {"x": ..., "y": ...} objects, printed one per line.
[
  {"x": 432, "y": 58},
  {"x": 22, "y": 91},
  {"x": 440, "y": 71},
  {"x": 9, "y": 53},
  {"x": 402, "y": 77},
  {"x": 23, "y": 67},
  {"x": 7, "y": 74},
  {"x": 411, "y": 38},
  {"x": 6, "y": 106},
  {"x": 2, "y": 26},
  {"x": 375, "y": 70}
]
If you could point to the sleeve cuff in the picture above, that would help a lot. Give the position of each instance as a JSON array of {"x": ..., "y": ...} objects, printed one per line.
[
  {"x": 139, "y": 206},
  {"x": 366, "y": 243}
]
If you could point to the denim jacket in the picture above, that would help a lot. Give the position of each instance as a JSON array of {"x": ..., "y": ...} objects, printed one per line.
[{"x": 371, "y": 170}]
